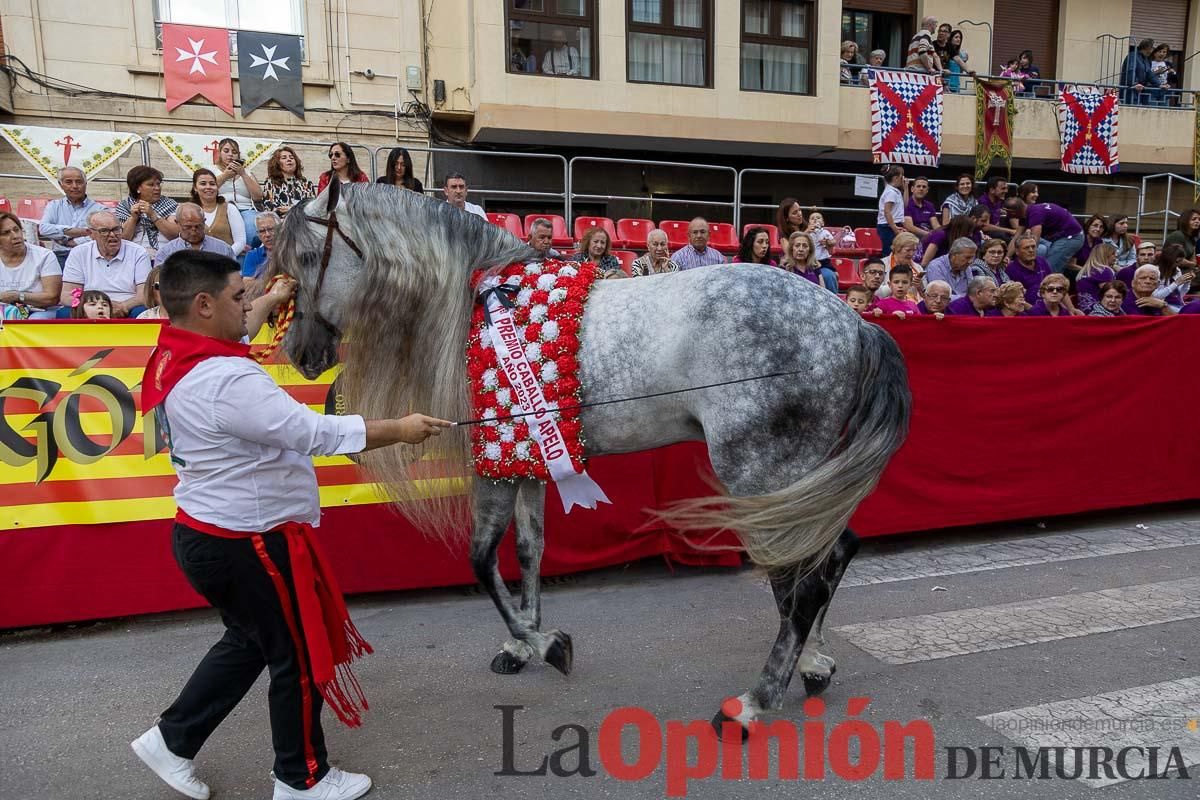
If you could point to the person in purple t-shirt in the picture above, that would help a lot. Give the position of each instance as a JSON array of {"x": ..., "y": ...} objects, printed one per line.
[
  {"x": 1191, "y": 308},
  {"x": 1050, "y": 222},
  {"x": 937, "y": 299},
  {"x": 1094, "y": 232},
  {"x": 993, "y": 200},
  {"x": 1053, "y": 298},
  {"x": 1141, "y": 299},
  {"x": 1027, "y": 268},
  {"x": 979, "y": 301},
  {"x": 920, "y": 214}
]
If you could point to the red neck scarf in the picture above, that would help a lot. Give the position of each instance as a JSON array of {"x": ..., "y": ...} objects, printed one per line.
[
  {"x": 178, "y": 352},
  {"x": 325, "y": 636}
]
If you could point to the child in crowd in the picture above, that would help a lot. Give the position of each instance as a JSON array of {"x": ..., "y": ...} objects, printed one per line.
[
  {"x": 154, "y": 309},
  {"x": 90, "y": 304},
  {"x": 900, "y": 280},
  {"x": 1013, "y": 72},
  {"x": 858, "y": 298},
  {"x": 823, "y": 239}
]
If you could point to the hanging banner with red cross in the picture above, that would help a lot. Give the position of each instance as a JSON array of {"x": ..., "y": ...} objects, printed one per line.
[
  {"x": 1087, "y": 129},
  {"x": 995, "y": 111},
  {"x": 51, "y": 149},
  {"x": 191, "y": 151},
  {"x": 906, "y": 117}
]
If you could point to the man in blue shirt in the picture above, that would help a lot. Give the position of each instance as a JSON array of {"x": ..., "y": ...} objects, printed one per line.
[
  {"x": 255, "y": 263},
  {"x": 191, "y": 235},
  {"x": 65, "y": 219}
]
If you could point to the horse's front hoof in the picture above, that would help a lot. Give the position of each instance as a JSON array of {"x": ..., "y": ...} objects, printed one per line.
[
  {"x": 815, "y": 682},
  {"x": 721, "y": 723},
  {"x": 560, "y": 654},
  {"x": 505, "y": 663}
]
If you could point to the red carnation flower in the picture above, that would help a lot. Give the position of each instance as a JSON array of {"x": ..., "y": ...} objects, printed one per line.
[
  {"x": 533, "y": 331},
  {"x": 540, "y": 297},
  {"x": 521, "y": 431},
  {"x": 491, "y": 433},
  {"x": 568, "y": 386},
  {"x": 567, "y": 365},
  {"x": 507, "y": 450},
  {"x": 569, "y": 343},
  {"x": 550, "y": 391}
]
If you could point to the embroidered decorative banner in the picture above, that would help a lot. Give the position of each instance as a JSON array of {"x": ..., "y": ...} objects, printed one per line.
[
  {"x": 196, "y": 62},
  {"x": 995, "y": 112},
  {"x": 906, "y": 117},
  {"x": 1196, "y": 152},
  {"x": 521, "y": 357},
  {"x": 51, "y": 149},
  {"x": 191, "y": 151},
  {"x": 269, "y": 69},
  {"x": 1087, "y": 128}
]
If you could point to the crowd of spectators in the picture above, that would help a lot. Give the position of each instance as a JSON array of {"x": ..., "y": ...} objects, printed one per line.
[{"x": 1001, "y": 252}]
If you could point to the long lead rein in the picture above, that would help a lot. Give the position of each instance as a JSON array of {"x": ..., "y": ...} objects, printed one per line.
[{"x": 631, "y": 399}]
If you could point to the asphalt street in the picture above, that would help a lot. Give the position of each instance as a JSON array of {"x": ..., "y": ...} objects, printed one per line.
[{"x": 1078, "y": 633}]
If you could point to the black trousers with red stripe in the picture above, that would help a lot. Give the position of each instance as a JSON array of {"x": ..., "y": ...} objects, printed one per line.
[{"x": 235, "y": 576}]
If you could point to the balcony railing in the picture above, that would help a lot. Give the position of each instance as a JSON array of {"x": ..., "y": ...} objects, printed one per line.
[{"x": 1048, "y": 88}]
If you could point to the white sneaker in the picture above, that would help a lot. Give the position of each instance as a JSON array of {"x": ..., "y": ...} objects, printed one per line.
[
  {"x": 336, "y": 785},
  {"x": 178, "y": 773}
]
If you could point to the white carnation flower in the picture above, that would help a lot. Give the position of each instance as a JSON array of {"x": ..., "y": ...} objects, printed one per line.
[
  {"x": 549, "y": 371},
  {"x": 507, "y": 433},
  {"x": 524, "y": 296},
  {"x": 523, "y": 451},
  {"x": 485, "y": 337},
  {"x": 513, "y": 280},
  {"x": 538, "y": 313},
  {"x": 546, "y": 282},
  {"x": 489, "y": 413},
  {"x": 504, "y": 397},
  {"x": 550, "y": 330},
  {"x": 568, "y": 272},
  {"x": 558, "y": 295},
  {"x": 490, "y": 379},
  {"x": 533, "y": 268},
  {"x": 491, "y": 451},
  {"x": 533, "y": 351}
]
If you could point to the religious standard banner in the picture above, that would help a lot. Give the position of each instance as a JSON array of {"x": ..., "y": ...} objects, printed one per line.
[
  {"x": 75, "y": 448},
  {"x": 196, "y": 62},
  {"x": 995, "y": 112},
  {"x": 51, "y": 149},
  {"x": 1087, "y": 128},
  {"x": 269, "y": 69},
  {"x": 191, "y": 151},
  {"x": 906, "y": 117}
]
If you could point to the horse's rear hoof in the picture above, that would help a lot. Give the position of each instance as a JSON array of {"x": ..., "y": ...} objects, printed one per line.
[
  {"x": 505, "y": 663},
  {"x": 721, "y": 723},
  {"x": 561, "y": 653},
  {"x": 815, "y": 683}
]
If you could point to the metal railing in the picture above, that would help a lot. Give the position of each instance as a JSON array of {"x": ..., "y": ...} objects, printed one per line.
[
  {"x": 731, "y": 204},
  {"x": 1167, "y": 212},
  {"x": 431, "y": 171}
]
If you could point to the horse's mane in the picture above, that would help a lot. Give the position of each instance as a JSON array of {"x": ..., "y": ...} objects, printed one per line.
[{"x": 407, "y": 332}]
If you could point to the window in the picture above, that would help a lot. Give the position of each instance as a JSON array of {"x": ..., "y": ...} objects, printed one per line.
[
  {"x": 552, "y": 37},
  {"x": 777, "y": 46},
  {"x": 669, "y": 41},
  {"x": 271, "y": 16},
  {"x": 875, "y": 30}
]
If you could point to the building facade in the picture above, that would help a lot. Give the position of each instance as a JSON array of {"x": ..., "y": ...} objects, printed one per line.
[{"x": 724, "y": 85}]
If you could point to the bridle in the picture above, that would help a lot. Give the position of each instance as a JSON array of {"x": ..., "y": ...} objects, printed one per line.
[{"x": 331, "y": 227}]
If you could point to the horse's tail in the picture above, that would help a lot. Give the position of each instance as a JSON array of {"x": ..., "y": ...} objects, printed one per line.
[{"x": 801, "y": 522}]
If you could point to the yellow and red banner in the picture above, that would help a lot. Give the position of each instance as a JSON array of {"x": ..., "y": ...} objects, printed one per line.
[{"x": 75, "y": 448}]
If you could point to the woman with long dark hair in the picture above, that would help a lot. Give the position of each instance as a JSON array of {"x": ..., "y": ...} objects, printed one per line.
[
  {"x": 789, "y": 218},
  {"x": 221, "y": 218},
  {"x": 755, "y": 248},
  {"x": 1124, "y": 241},
  {"x": 399, "y": 172},
  {"x": 286, "y": 185},
  {"x": 343, "y": 165}
]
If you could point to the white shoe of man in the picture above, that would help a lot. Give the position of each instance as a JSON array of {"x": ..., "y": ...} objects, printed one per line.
[
  {"x": 178, "y": 773},
  {"x": 336, "y": 785}
]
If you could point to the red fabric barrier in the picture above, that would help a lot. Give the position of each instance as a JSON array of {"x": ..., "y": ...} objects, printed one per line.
[{"x": 1012, "y": 419}]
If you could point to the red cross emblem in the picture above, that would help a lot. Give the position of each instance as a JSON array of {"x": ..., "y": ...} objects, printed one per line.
[
  {"x": 212, "y": 148},
  {"x": 910, "y": 117},
  {"x": 1088, "y": 124},
  {"x": 67, "y": 144}
]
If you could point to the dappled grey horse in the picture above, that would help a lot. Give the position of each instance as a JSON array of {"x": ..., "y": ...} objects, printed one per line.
[{"x": 389, "y": 270}]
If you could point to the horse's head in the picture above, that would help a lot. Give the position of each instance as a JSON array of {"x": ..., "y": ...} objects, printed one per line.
[{"x": 317, "y": 247}]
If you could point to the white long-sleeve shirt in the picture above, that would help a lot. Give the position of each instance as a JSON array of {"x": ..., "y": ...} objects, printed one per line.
[{"x": 242, "y": 447}]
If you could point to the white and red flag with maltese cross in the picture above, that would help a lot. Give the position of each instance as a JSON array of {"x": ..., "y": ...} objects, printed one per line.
[{"x": 196, "y": 62}]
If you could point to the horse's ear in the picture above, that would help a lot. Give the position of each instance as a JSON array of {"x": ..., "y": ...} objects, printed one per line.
[{"x": 328, "y": 200}]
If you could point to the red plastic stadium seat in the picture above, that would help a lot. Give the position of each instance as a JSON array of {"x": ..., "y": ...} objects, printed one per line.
[
  {"x": 676, "y": 231},
  {"x": 868, "y": 239},
  {"x": 510, "y": 223},
  {"x": 5, "y": 205},
  {"x": 847, "y": 272},
  {"x": 723, "y": 238},
  {"x": 562, "y": 237},
  {"x": 583, "y": 223},
  {"x": 32, "y": 208},
  {"x": 627, "y": 257},
  {"x": 109, "y": 203},
  {"x": 633, "y": 232},
  {"x": 772, "y": 231}
]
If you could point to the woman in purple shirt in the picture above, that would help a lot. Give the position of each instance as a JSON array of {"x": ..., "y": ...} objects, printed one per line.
[
  {"x": 938, "y": 243},
  {"x": 800, "y": 257},
  {"x": 1052, "y": 298},
  {"x": 920, "y": 214},
  {"x": 1094, "y": 232},
  {"x": 1098, "y": 269}
]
